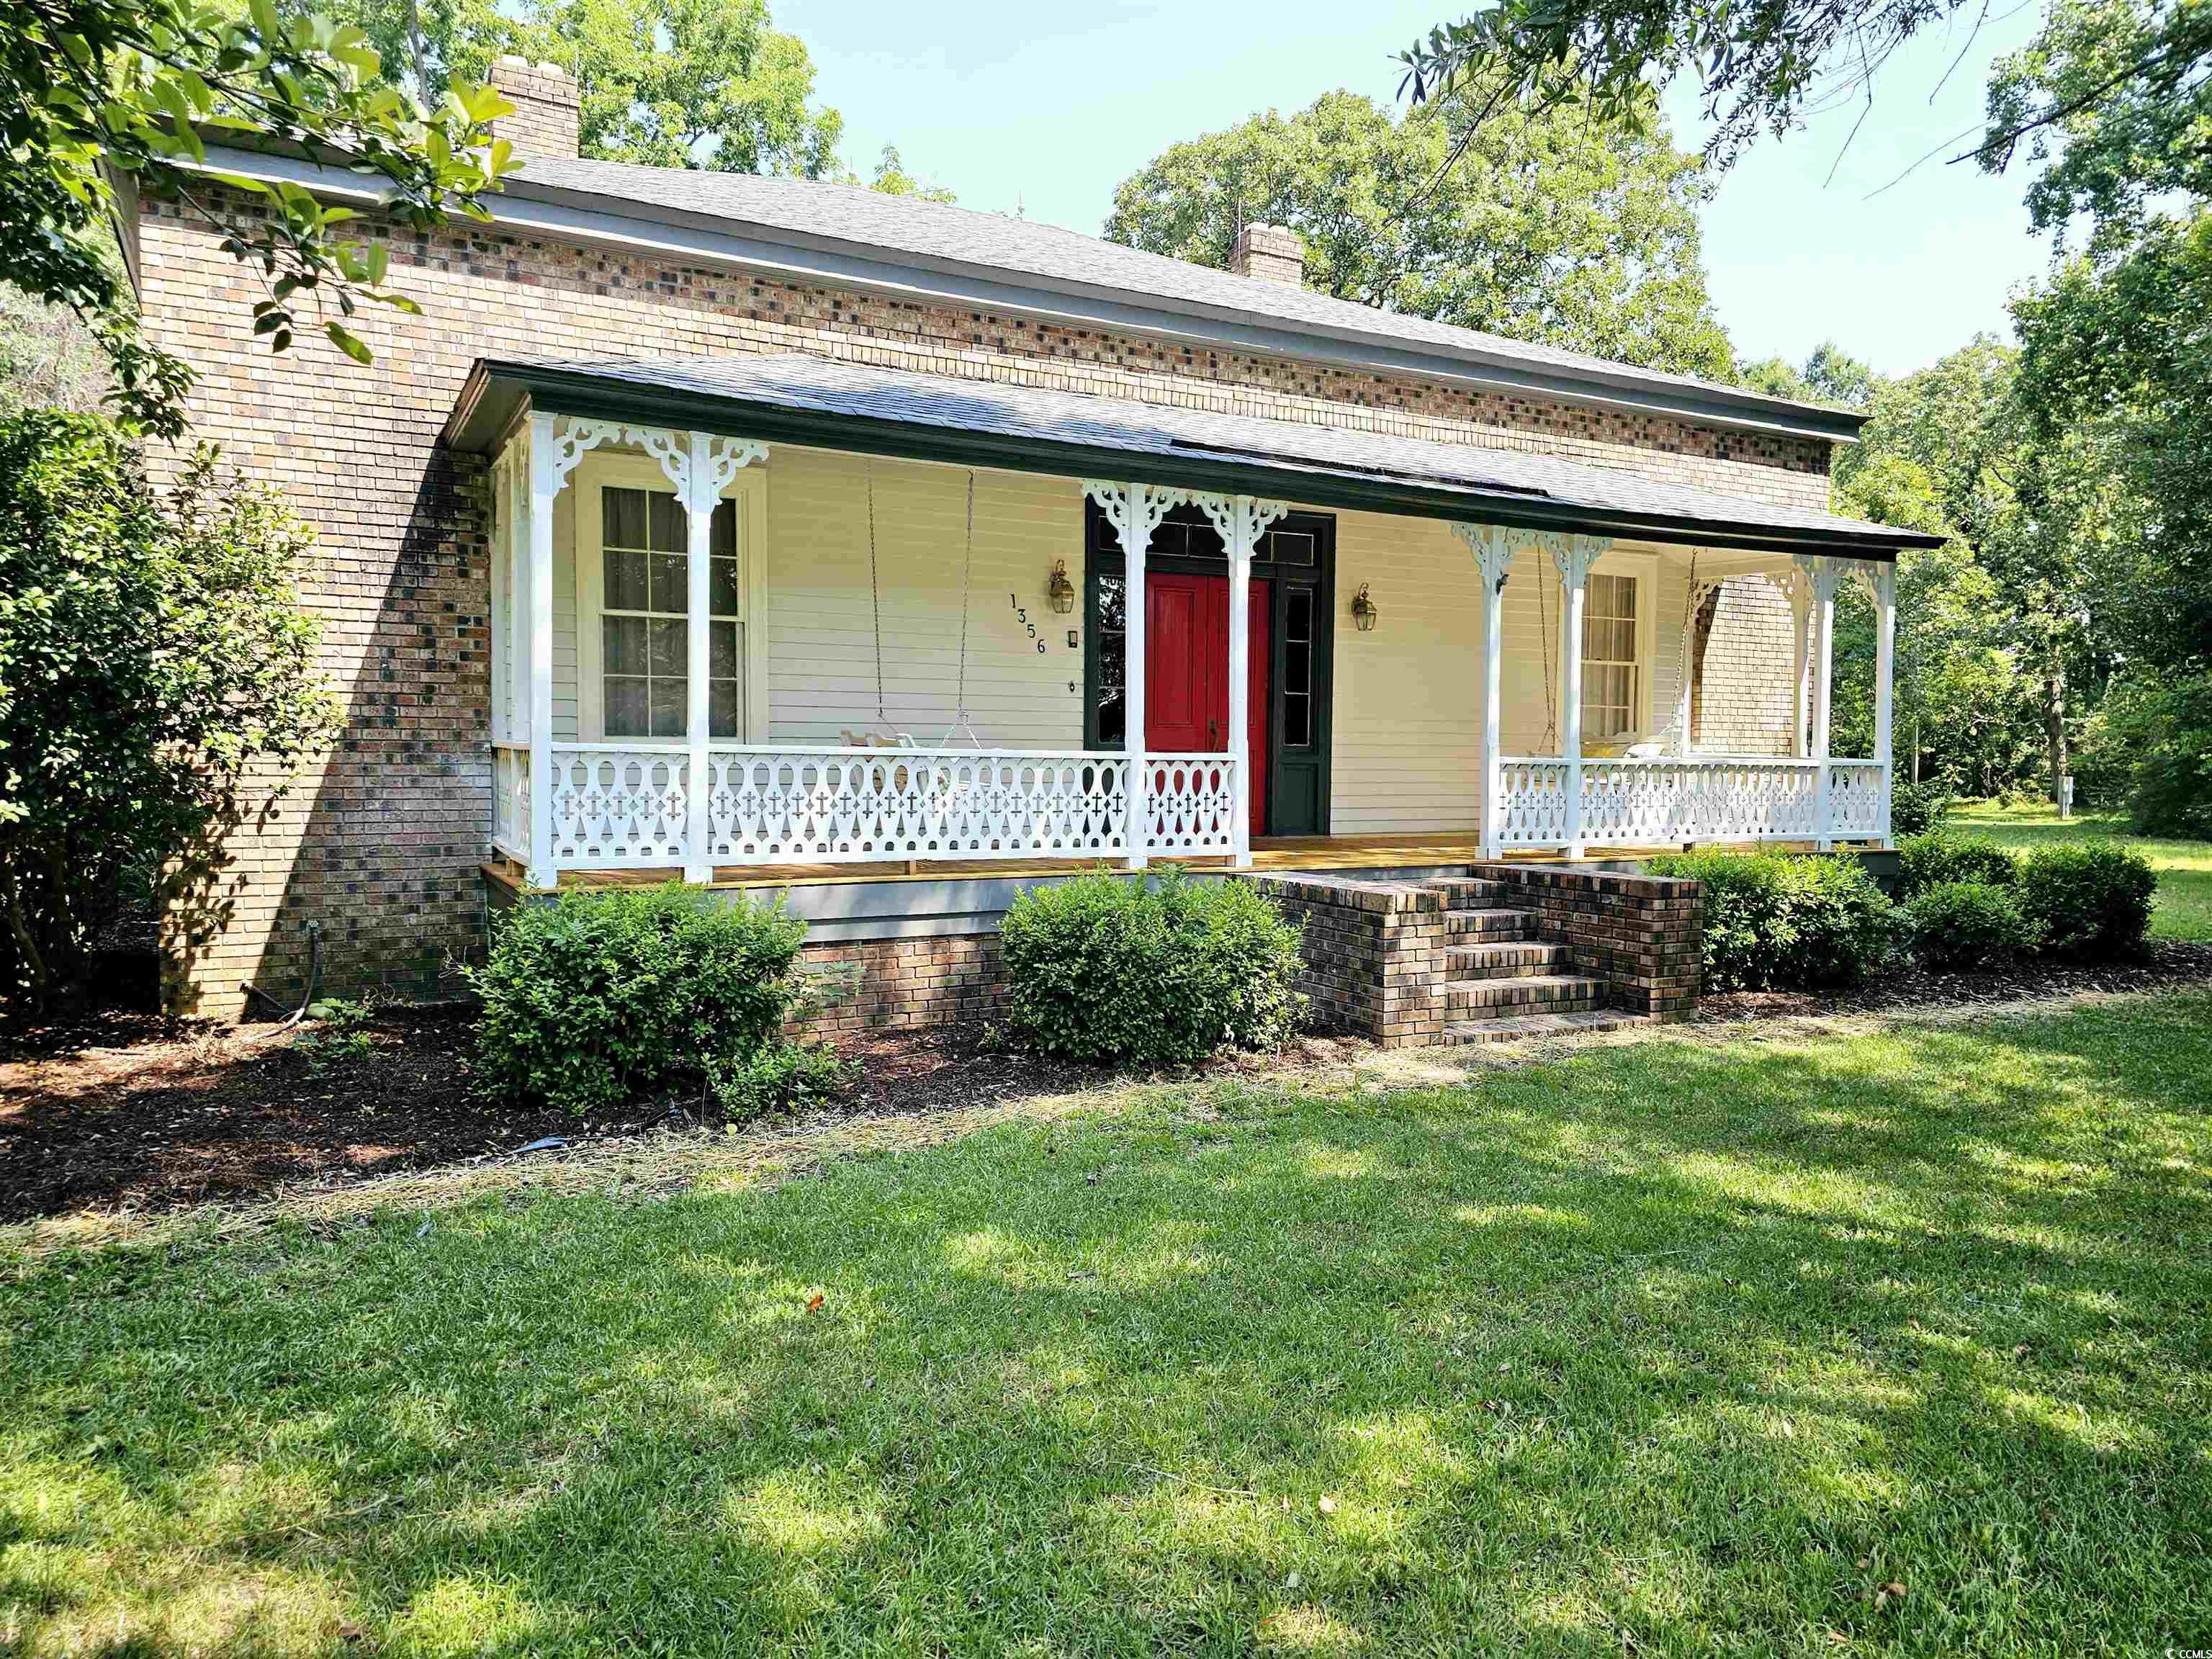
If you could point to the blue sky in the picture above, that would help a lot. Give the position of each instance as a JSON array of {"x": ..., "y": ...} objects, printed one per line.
[{"x": 1048, "y": 108}]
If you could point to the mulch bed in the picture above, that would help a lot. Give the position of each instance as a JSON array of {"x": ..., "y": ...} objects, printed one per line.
[
  {"x": 2173, "y": 964},
  {"x": 131, "y": 1112}
]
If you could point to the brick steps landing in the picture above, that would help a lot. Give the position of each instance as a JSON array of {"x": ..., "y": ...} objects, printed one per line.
[
  {"x": 1465, "y": 1032},
  {"x": 1491, "y": 952}
]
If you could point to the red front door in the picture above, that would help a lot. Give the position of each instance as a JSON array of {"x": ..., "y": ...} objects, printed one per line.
[{"x": 1187, "y": 672}]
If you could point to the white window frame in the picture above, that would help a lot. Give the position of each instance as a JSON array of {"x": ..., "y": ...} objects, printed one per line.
[
  {"x": 1643, "y": 569},
  {"x": 601, "y": 471}
]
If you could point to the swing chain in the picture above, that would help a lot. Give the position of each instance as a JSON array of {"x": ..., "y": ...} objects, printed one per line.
[{"x": 875, "y": 600}]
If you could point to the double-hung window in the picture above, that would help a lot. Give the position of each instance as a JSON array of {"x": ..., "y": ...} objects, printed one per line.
[
  {"x": 643, "y": 623},
  {"x": 1612, "y": 665}
]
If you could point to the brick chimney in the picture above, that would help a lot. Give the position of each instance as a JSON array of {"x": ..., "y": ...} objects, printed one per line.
[
  {"x": 1273, "y": 254},
  {"x": 545, "y": 104}
]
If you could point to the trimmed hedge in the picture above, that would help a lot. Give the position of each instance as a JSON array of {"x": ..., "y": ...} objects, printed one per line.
[
  {"x": 1159, "y": 973},
  {"x": 2091, "y": 902},
  {"x": 1958, "y": 925},
  {"x": 1937, "y": 859},
  {"x": 598, "y": 997},
  {"x": 1788, "y": 921}
]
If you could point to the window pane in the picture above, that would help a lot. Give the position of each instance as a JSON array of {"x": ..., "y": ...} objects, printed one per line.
[
  {"x": 722, "y": 588},
  {"x": 667, "y": 641},
  {"x": 723, "y": 709},
  {"x": 1113, "y": 718},
  {"x": 621, "y": 518},
  {"x": 668, "y": 527},
  {"x": 668, "y": 707},
  {"x": 722, "y": 650},
  {"x": 625, "y": 707},
  {"x": 1297, "y": 720},
  {"x": 621, "y": 642},
  {"x": 722, "y": 539},
  {"x": 1110, "y": 609},
  {"x": 624, "y": 580},
  {"x": 1298, "y": 623},
  {"x": 670, "y": 591},
  {"x": 1290, "y": 546},
  {"x": 1297, "y": 666}
]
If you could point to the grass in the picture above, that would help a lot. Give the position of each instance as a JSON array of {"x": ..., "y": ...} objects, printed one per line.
[
  {"x": 2184, "y": 867},
  {"x": 1681, "y": 1347}
]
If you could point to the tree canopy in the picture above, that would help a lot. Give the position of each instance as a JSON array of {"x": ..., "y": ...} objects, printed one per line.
[
  {"x": 96, "y": 96},
  {"x": 1547, "y": 228}
]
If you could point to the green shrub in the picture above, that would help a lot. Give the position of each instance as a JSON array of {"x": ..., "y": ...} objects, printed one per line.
[
  {"x": 597, "y": 997},
  {"x": 1917, "y": 808},
  {"x": 783, "y": 1077},
  {"x": 1968, "y": 924},
  {"x": 1161, "y": 973},
  {"x": 1938, "y": 859},
  {"x": 2088, "y": 902},
  {"x": 1795, "y": 922},
  {"x": 157, "y": 686}
]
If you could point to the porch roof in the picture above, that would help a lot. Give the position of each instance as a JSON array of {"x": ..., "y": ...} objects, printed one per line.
[{"x": 796, "y": 398}]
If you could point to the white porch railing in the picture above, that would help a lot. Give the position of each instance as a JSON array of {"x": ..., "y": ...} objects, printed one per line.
[
  {"x": 1645, "y": 803},
  {"x": 1190, "y": 804},
  {"x": 835, "y": 805},
  {"x": 510, "y": 801}
]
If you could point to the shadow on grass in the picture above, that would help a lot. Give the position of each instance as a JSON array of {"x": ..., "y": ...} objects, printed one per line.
[{"x": 1699, "y": 1344}]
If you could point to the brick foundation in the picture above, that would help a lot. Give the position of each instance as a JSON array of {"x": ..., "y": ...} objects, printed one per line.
[
  {"x": 1643, "y": 935},
  {"x": 902, "y": 984}
]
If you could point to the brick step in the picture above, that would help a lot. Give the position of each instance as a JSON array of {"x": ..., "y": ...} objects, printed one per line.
[
  {"x": 1503, "y": 998},
  {"x": 1504, "y": 959},
  {"x": 1540, "y": 1025},
  {"x": 1468, "y": 892},
  {"x": 1488, "y": 924}
]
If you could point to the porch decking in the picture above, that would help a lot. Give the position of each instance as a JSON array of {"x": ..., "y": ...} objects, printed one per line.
[{"x": 1275, "y": 854}]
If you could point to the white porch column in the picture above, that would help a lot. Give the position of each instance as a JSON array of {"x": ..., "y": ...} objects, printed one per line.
[
  {"x": 1800, "y": 595},
  {"x": 700, "y": 466},
  {"x": 547, "y": 473},
  {"x": 1135, "y": 511},
  {"x": 1492, "y": 546},
  {"x": 1881, "y": 586},
  {"x": 1823, "y": 575},
  {"x": 1574, "y": 554},
  {"x": 1240, "y": 521}
]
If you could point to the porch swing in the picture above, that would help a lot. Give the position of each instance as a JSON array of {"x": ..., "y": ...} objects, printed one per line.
[{"x": 883, "y": 734}]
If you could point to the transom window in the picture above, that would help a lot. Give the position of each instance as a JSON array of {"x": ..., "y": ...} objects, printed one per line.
[
  {"x": 1612, "y": 686},
  {"x": 644, "y": 626}
]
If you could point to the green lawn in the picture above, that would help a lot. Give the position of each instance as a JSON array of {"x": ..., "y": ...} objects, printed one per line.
[
  {"x": 1681, "y": 1347},
  {"x": 2184, "y": 867}
]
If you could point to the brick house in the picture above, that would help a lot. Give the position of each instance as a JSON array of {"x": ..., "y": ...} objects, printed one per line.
[{"x": 837, "y": 503}]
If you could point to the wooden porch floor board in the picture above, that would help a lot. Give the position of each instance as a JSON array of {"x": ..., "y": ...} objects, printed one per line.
[{"x": 1277, "y": 852}]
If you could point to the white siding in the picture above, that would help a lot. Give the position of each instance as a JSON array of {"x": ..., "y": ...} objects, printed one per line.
[
  {"x": 821, "y": 633},
  {"x": 1406, "y": 754}
]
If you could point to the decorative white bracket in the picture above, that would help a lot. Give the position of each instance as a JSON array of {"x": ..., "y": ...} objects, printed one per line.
[
  {"x": 1823, "y": 573},
  {"x": 1879, "y": 578},
  {"x": 1493, "y": 546},
  {"x": 1239, "y": 521},
  {"x": 1135, "y": 510},
  {"x": 1573, "y": 552}
]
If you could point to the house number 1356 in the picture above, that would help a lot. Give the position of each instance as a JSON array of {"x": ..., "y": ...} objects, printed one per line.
[{"x": 1023, "y": 616}]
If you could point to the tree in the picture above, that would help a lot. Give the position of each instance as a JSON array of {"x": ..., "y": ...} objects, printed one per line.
[
  {"x": 1548, "y": 229},
  {"x": 893, "y": 179},
  {"x": 153, "y": 653},
  {"x": 1830, "y": 375},
  {"x": 1760, "y": 67},
  {"x": 93, "y": 92},
  {"x": 670, "y": 83}
]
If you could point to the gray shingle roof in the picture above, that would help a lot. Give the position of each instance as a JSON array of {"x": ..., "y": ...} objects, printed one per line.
[
  {"x": 869, "y": 222},
  {"x": 1308, "y": 461}
]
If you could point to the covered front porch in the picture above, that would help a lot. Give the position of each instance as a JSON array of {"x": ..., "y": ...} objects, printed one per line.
[{"x": 689, "y": 571}]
